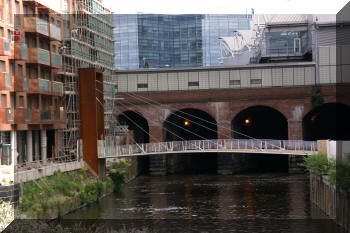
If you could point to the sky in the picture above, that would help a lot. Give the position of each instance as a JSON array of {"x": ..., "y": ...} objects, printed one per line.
[{"x": 226, "y": 6}]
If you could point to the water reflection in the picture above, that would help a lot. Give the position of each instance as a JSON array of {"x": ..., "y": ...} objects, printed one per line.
[{"x": 192, "y": 198}]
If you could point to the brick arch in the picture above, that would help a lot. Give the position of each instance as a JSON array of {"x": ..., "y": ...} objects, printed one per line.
[
  {"x": 328, "y": 102},
  {"x": 200, "y": 122},
  {"x": 144, "y": 124},
  {"x": 259, "y": 131},
  {"x": 328, "y": 121}
]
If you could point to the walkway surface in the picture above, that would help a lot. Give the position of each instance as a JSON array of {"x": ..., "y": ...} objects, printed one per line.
[{"x": 110, "y": 149}]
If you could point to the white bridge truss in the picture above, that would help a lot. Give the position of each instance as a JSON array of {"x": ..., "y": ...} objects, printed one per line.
[{"x": 110, "y": 149}]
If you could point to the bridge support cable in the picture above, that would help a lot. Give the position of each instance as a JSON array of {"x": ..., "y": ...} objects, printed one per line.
[
  {"x": 175, "y": 125},
  {"x": 167, "y": 130},
  {"x": 142, "y": 145},
  {"x": 149, "y": 102},
  {"x": 146, "y": 131},
  {"x": 157, "y": 104}
]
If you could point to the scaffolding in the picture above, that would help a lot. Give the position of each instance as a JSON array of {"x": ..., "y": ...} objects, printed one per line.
[{"x": 88, "y": 42}]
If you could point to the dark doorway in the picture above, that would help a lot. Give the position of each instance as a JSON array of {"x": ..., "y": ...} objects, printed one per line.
[{"x": 50, "y": 134}]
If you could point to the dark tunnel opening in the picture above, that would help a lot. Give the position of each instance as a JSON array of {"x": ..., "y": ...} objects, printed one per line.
[
  {"x": 140, "y": 130},
  {"x": 329, "y": 121},
  {"x": 137, "y": 123},
  {"x": 192, "y": 124},
  {"x": 261, "y": 122},
  {"x": 189, "y": 124}
]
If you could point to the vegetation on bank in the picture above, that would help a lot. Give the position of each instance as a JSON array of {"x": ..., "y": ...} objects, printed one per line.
[
  {"x": 337, "y": 171},
  {"x": 117, "y": 173},
  {"x": 7, "y": 213},
  {"x": 60, "y": 193},
  {"x": 54, "y": 196}
]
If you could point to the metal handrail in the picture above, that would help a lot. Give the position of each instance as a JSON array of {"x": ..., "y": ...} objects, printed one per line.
[{"x": 111, "y": 147}]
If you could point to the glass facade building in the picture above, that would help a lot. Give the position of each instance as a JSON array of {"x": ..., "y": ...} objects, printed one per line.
[{"x": 172, "y": 40}]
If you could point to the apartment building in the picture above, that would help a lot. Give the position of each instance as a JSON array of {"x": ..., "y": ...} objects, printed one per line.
[
  {"x": 31, "y": 102},
  {"x": 87, "y": 42}
]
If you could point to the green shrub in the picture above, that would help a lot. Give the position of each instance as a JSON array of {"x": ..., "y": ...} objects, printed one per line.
[
  {"x": 339, "y": 174},
  {"x": 316, "y": 99},
  {"x": 316, "y": 164},
  {"x": 117, "y": 178},
  {"x": 41, "y": 196}
]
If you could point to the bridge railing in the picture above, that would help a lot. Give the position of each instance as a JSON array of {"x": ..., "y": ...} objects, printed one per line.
[{"x": 111, "y": 147}]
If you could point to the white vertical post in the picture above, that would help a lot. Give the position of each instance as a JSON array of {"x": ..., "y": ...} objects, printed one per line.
[
  {"x": 43, "y": 145},
  {"x": 29, "y": 146},
  {"x": 13, "y": 136}
]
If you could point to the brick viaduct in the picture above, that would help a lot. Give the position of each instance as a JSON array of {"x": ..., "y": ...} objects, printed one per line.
[
  {"x": 293, "y": 103},
  {"x": 223, "y": 105}
]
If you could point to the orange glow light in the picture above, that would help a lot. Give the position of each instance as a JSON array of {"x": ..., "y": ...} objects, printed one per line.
[
  {"x": 247, "y": 121},
  {"x": 186, "y": 123}
]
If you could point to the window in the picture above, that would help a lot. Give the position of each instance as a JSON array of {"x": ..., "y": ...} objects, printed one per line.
[
  {"x": 13, "y": 103},
  {"x": 9, "y": 11},
  {"x": 235, "y": 82},
  {"x": 3, "y": 101},
  {"x": 28, "y": 71},
  {"x": 2, "y": 66},
  {"x": 1, "y": 9},
  {"x": 16, "y": 7},
  {"x": 193, "y": 84},
  {"x": 255, "y": 81},
  {"x": 12, "y": 69},
  {"x": 9, "y": 35},
  {"x": 20, "y": 70},
  {"x": 21, "y": 101},
  {"x": 35, "y": 101},
  {"x": 142, "y": 85},
  {"x": 29, "y": 103},
  {"x": 1, "y": 30}
]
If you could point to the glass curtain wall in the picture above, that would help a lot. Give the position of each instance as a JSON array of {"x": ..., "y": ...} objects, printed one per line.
[
  {"x": 172, "y": 40},
  {"x": 126, "y": 46},
  {"x": 220, "y": 25}
]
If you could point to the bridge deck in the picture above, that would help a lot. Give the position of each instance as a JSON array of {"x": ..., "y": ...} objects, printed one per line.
[{"x": 109, "y": 149}]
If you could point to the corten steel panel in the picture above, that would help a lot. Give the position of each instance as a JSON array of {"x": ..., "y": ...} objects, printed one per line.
[{"x": 91, "y": 113}]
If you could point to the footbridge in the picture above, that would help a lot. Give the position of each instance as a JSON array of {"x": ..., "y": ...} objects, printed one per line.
[{"x": 111, "y": 149}]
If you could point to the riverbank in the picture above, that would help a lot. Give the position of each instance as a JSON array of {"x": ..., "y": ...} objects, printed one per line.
[
  {"x": 54, "y": 196},
  {"x": 332, "y": 201}
]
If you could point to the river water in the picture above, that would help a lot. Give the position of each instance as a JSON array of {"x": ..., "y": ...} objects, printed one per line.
[{"x": 265, "y": 202}]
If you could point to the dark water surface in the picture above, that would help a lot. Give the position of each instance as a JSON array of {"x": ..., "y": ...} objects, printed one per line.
[{"x": 268, "y": 202}]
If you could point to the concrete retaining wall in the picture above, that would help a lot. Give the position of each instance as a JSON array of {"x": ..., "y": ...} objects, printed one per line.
[
  {"x": 47, "y": 170},
  {"x": 9, "y": 193}
]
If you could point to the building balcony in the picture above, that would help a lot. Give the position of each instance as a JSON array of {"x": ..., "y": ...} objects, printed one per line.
[
  {"x": 35, "y": 24},
  {"x": 57, "y": 88},
  {"x": 12, "y": 116},
  {"x": 52, "y": 116},
  {"x": 34, "y": 116},
  {"x": 6, "y": 115},
  {"x": 4, "y": 47},
  {"x": 13, "y": 83},
  {"x": 39, "y": 86},
  {"x": 55, "y": 32},
  {"x": 56, "y": 60},
  {"x": 43, "y": 86},
  {"x": 21, "y": 51},
  {"x": 45, "y": 115},
  {"x": 17, "y": 83},
  {"x": 38, "y": 55},
  {"x": 5, "y": 81}
]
